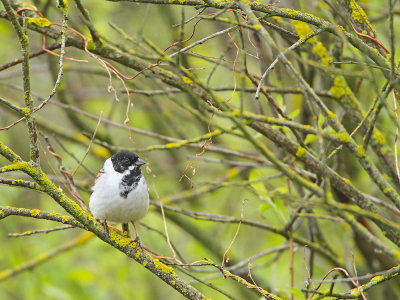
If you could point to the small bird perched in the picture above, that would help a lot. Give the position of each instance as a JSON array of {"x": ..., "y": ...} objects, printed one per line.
[{"x": 120, "y": 193}]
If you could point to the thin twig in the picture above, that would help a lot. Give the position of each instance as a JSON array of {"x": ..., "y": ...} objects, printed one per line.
[
  {"x": 29, "y": 265},
  {"x": 31, "y": 232}
]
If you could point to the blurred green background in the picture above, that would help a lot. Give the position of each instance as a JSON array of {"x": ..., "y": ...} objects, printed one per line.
[{"x": 97, "y": 271}]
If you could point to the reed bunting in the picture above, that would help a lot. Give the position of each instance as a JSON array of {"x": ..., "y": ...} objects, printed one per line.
[{"x": 120, "y": 193}]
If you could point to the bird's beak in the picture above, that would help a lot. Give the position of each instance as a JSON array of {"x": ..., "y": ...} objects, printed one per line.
[{"x": 140, "y": 162}]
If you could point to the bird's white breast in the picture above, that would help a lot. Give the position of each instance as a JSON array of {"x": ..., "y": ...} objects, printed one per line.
[{"x": 107, "y": 204}]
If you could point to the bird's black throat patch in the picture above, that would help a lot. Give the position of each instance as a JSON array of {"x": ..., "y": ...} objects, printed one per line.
[{"x": 130, "y": 181}]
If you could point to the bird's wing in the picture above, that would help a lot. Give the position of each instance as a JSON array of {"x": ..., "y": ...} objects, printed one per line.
[{"x": 99, "y": 174}]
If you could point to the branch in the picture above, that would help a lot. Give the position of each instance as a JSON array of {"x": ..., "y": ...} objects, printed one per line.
[
  {"x": 31, "y": 232},
  {"x": 204, "y": 94},
  {"x": 113, "y": 237},
  {"x": 225, "y": 219},
  {"x": 21, "y": 183},
  {"x": 29, "y": 265},
  {"x": 6, "y": 211},
  {"x": 32, "y": 55},
  {"x": 356, "y": 292},
  {"x": 270, "y": 11},
  {"x": 24, "y": 41}
]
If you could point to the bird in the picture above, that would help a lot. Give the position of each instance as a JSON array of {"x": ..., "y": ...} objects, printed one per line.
[{"x": 120, "y": 193}]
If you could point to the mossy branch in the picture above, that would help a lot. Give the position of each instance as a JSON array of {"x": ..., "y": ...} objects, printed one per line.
[
  {"x": 326, "y": 253},
  {"x": 24, "y": 42},
  {"x": 6, "y": 211},
  {"x": 123, "y": 244},
  {"x": 358, "y": 150},
  {"x": 356, "y": 16},
  {"x": 307, "y": 171},
  {"x": 21, "y": 183},
  {"x": 271, "y": 11},
  {"x": 206, "y": 95},
  {"x": 28, "y": 265},
  {"x": 356, "y": 292},
  {"x": 389, "y": 274}
]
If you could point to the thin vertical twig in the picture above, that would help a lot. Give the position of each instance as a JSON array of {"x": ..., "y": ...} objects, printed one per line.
[
  {"x": 21, "y": 32},
  {"x": 224, "y": 260},
  {"x": 89, "y": 146},
  {"x": 396, "y": 156},
  {"x": 64, "y": 25}
]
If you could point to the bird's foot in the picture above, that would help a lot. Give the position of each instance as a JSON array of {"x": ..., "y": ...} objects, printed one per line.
[
  {"x": 125, "y": 229},
  {"x": 104, "y": 223},
  {"x": 137, "y": 242}
]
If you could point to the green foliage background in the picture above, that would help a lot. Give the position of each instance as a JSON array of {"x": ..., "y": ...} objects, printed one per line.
[{"x": 97, "y": 271}]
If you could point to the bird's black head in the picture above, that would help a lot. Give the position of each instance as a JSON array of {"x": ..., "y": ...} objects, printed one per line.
[{"x": 123, "y": 160}]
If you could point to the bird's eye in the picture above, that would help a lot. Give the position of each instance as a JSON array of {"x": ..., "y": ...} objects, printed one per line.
[{"x": 126, "y": 161}]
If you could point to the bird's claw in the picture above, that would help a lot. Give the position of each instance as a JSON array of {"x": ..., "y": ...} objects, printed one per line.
[
  {"x": 104, "y": 223},
  {"x": 137, "y": 242}
]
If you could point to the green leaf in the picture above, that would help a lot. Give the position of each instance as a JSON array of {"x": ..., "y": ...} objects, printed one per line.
[
  {"x": 294, "y": 114},
  {"x": 310, "y": 138},
  {"x": 259, "y": 187},
  {"x": 265, "y": 195},
  {"x": 321, "y": 121},
  {"x": 264, "y": 207},
  {"x": 297, "y": 293}
]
